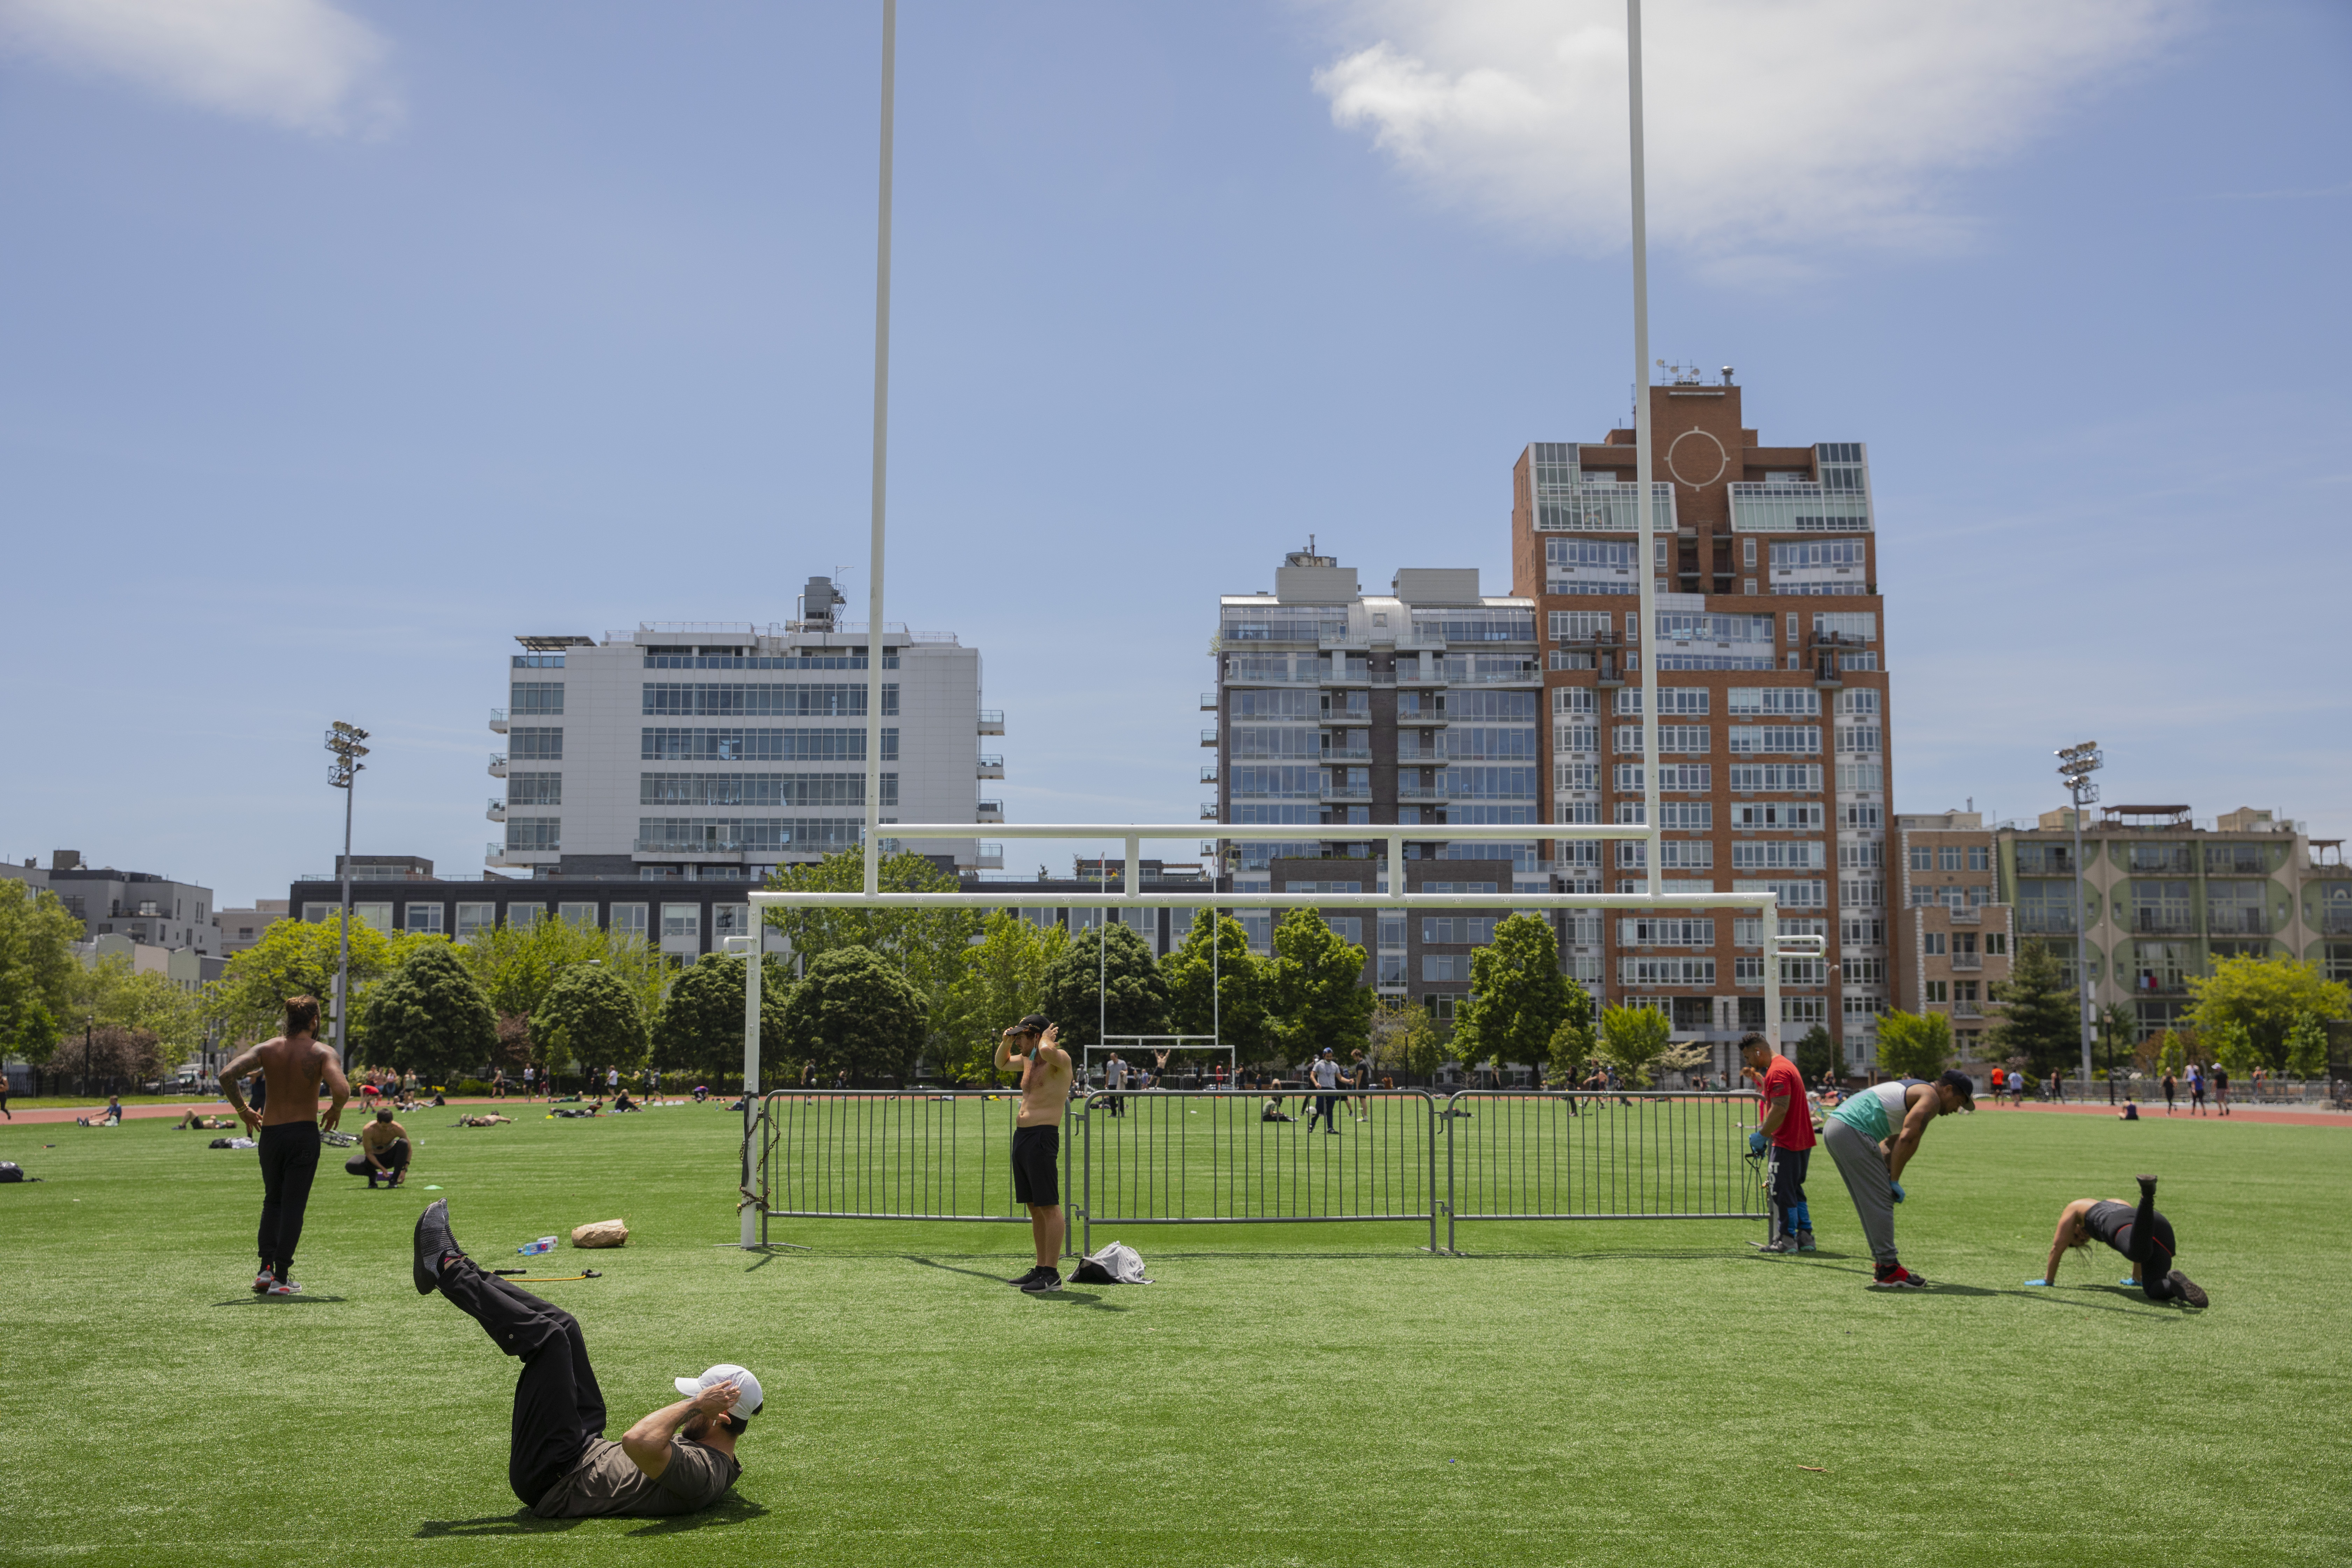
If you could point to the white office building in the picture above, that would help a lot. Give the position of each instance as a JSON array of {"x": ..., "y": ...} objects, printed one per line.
[{"x": 701, "y": 751}]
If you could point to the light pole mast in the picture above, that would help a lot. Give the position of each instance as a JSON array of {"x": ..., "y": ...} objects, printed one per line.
[
  {"x": 344, "y": 741},
  {"x": 2075, "y": 767}
]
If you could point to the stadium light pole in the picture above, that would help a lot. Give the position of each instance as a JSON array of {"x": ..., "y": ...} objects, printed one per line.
[
  {"x": 344, "y": 741},
  {"x": 881, "y": 454},
  {"x": 2075, "y": 767}
]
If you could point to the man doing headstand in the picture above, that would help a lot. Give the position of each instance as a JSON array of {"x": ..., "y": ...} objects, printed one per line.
[
  {"x": 1037, "y": 1139},
  {"x": 680, "y": 1459},
  {"x": 1784, "y": 1136},
  {"x": 287, "y": 1130},
  {"x": 1872, "y": 1135},
  {"x": 2143, "y": 1236}
]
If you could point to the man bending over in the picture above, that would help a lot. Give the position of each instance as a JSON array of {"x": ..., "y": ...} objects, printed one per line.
[
  {"x": 680, "y": 1459},
  {"x": 1872, "y": 1136},
  {"x": 1037, "y": 1140},
  {"x": 286, "y": 1130}
]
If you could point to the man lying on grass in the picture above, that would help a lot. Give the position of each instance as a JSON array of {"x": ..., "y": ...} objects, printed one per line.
[{"x": 680, "y": 1459}]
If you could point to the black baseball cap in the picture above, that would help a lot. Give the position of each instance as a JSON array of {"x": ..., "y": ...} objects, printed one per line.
[
  {"x": 1962, "y": 1085},
  {"x": 1034, "y": 1024}
]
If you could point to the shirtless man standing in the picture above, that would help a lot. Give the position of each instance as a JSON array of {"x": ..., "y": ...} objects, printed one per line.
[
  {"x": 288, "y": 1130},
  {"x": 1037, "y": 1139}
]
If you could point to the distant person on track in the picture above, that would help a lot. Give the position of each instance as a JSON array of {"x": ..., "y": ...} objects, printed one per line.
[
  {"x": 1360, "y": 1074},
  {"x": 291, "y": 1066},
  {"x": 1115, "y": 1080},
  {"x": 5, "y": 1111},
  {"x": 1784, "y": 1135},
  {"x": 1037, "y": 1140},
  {"x": 529, "y": 1081},
  {"x": 498, "y": 1083},
  {"x": 680, "y": 1459},
  {"x": 1323, "y": 1072},
  {"x": 383, "y": 1154},
  {"x": 2171, "y": 1086},
  {"x": 2196, "y": 1090},
  {"x": 2220, "y": 1089},
  {"x": 1873, "y": 1135},
  {"x": 2143, "y": 1236}
]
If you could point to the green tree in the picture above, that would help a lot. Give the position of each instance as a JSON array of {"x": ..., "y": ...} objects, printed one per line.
[
  {"x": 1003, "y": 981},
  {"x": 1130, "y": 998},
  {"x": 1914, "y": 1045},
  {"x": 2040, "y": 1019},
  {"x": 109, "y": 992},
  {"x": 593, "y": 1017},
  {"x": 431, "y": 1018},
  {"x": 37, "y": 969},
  {"x": 297, "y": 958},
  {"x": 1519, "y": 996},
  {"x": 2307, "y": 1046},
  {"x": 926, "y": 946},
  {"x": 516, "y": 965},
  {"x": 853, "y": 1011},
  {"x": 2262, "y": 997},
  {"x": 1319, "y": 997},
  {"x": 700, "y": 1027},
  {"x": 1633, "y": 1039},
  {"x": 1243, "y": 987},
  {"x": 1572, "y": 1046},
  {"x": 1815, "y": 1054}
]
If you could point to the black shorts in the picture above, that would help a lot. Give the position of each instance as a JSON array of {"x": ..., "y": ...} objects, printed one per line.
[{"x": 1035, "y": 1153}]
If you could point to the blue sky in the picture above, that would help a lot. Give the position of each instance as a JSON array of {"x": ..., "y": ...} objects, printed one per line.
[{"x": 343, "y": 342}]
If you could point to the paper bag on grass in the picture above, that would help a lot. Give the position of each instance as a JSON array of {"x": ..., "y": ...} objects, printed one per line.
[{"x": 602, "y": 1233}]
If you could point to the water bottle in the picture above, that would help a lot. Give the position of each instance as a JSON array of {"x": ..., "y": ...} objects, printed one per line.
[{"x": 533, "y": 1250}]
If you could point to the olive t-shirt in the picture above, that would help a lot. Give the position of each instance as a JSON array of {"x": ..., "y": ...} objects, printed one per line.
[{"x": 606, "y": 1480}]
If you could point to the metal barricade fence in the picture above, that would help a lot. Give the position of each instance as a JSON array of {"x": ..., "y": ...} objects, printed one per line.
[
  {"x": 1213, "y": 1157},
  {"x": 1636, "y": 1154}
]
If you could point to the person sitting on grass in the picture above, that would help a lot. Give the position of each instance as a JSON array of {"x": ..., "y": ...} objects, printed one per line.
[
  {"x": 111, "y": 1117},
  {"x": 384, "y": 1151},
  {"x": 622, "y": 1102},
  {"x": 679, "y": 1460},
  {"x": 1271, "y": 1110},
  {"x": 2143, "y": 1236},
  {"x": 202, "y": 1123}
]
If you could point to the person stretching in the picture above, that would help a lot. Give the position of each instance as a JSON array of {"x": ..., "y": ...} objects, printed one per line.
[
  {"x": 2143, "y": 1236},
  {"x": 291, "y": 1066},
  {"x": 1872, "y": 1135},
  {"x": 1784, "y": 1136},
  {"x": 680, "y": 1459},
  {"x": 1037, "y": 1140},
  {"x": 384, "y": 1151}
]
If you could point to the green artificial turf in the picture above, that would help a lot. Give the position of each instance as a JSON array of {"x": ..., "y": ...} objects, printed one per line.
[{"x": 1637, "y": 1392}]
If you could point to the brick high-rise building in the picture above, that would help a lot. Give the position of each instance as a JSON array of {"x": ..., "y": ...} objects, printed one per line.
[{"x": 1774, "y": 691}]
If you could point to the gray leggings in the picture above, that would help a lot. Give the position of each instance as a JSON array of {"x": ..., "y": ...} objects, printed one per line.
[{"x": 1864, "y": 1169}]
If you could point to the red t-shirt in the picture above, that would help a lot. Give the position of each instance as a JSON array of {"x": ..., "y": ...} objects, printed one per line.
[{"x": 1783, "y": 1081}]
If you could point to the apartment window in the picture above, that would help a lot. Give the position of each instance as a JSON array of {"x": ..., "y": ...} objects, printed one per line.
[
  {"x": 1861, "y": 819},
  {"x": 536, "y": 744},
  {"x": 1861, "y": 624},
  {"x": 1564, "y": 699},
  {"x": 534, "y": 789},
  {"x": 1861, "y": 739},
  {"x": 1752, "y": 740},
  {"x": 1923, "y": 858},
  {"x": 729, "y": 920},
  {"x": 1774, "y": 702},
  {"x": 523, "y": 917},
  {"x": 472, "y": 918},
  {"x": 2336, "y": 961},
  {"x": 1445, "y": 967},
  {"x": 681, "y": 922},
  {"x": 1691, "y": 777},
  {"x": 534, "y": 834},
  {"x": 1792, "y": 637},
  {"x": 1861, "y": 701},
  {"x": 1666, "y": 972},
  {"x": 1864, "y": 971},
  {"x": 1861, "y": 856},
  {"x": 1747, "y": 971},
  {"x": 1931, "y": 943},
  {"x": 1476, "y": 930},
  {"x": 535, "y": 697},
  {"x": 1996, "y": 943},
  {"x": 423, "y": 917},
  {"x": 1668, "y": 932},
  {"x": 1748, "y": 555},
  {"x": 1393, "y": 929},
  {"x": 1806, "y": 1011},
  {"x": 581, "y": 915},
  {"x": 1937, "y": 989},
  {"x": 1777, "y": 778},
  {"x": 1566, "y": 738},
  {"x": 1685, "y": 701},
  {"x": 1859, "y": 776},
  {"x": 1862, "y": 931}
]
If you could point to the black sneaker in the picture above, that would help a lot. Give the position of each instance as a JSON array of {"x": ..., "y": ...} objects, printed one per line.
[
  {"x": 1022, "y": 1283},
  {"x": 1042, "y": 1282},
  {"x": 2146, "y": 1185},
  {"x": 433, "y": 1242},
  {"x": 2184, "y": 1289},
  {"x": 1897, "y": 1278}
]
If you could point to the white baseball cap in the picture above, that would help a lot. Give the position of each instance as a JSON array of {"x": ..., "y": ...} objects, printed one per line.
[{"x": 749, "y": 1398}]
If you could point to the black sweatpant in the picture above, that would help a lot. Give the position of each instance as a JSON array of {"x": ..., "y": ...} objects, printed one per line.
[
  {"x": 2152, "y": 1250},
  {"x": 558, "y": 1407},
  {"x": 394, "y": 1157},
  {"x": 289, "y": 1160},
  {"x": 1785, "y": 1187}
]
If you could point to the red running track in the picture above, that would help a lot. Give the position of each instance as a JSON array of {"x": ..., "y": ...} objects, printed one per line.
[{"x": 2155, "y": 1113}]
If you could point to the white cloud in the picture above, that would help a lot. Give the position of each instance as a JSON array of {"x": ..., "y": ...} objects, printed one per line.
[
  {"x": 299, "y": 64},
  {"x": 1776, "y": 133}
]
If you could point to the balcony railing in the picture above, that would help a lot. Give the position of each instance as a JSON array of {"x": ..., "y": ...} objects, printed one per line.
[
  {"x": 1208, "y": 772},
  {"x": 498, "y": 812},
  {"x": 1208, "y": 702},
  {"x": 2336, "y": 922},
  {"x": 1805, "y": 506},
  {"x": 992, "y": 811},
  {"x": 498, "y": 720},
  {"x": 1338, "y": 794},
  {"x": 1967, "y": 960},
  {"x": 992, "y": 720},
  {"x": 2159, "y": 860},
  {"x": 1207, "y": 738},
  {"x": 2163, "y": 922},
  {"x": 1352, "y": 754},
  {"x": 991, "y": 857},
  {"x": 2045, "y": 923},
  {"x": 2232, "y": 920},
  {"x": 498, "y": 765},
  {"x": 1208, "y": 811},
  {"x": 992, "y": 767}
]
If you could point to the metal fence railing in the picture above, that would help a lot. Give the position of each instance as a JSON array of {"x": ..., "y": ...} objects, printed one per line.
[{"x": 1264, "y": 1157}]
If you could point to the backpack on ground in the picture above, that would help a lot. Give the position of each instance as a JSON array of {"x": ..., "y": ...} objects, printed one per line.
[
  {"x": 1117, "y": 1264},
  {"x": 11, "y": 1172}
]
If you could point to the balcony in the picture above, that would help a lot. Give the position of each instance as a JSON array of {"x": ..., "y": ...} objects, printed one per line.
[
  {"x": 1348, "y": 672},
  {"x": 1336, "y": 793},
  {"x": 2333, "y": 921},
  {"x": 990, "y": 858},
  {"x": 1965, "y": 917},
  {"x": 1207, "y": 738},
  {"x": 498, "y": 812},
  {"x": 992, "y": 767},
  {"x": 1208, "y": 811},
  {"x": 2045, "y": 923},
  {"x": 1349, "y": 754},
  {"x": 992, "y": 720},
  {"x": 1805, "y": 506},
  {"x": 992, "y": 811},
  {"x": 2159, "y": 860},
  {"x": 1967, "y": 1009},
  {"x": 2236, "y": 919},
  {"x": 1208, "y": 702},
  {"x": 498, "y": 720},
  {"x": 2170, "y": 920},
  {"x": 498, "y": 765},
  {"x": 1208, "y": 772},
  {"x": 1966, "y": 961}
]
